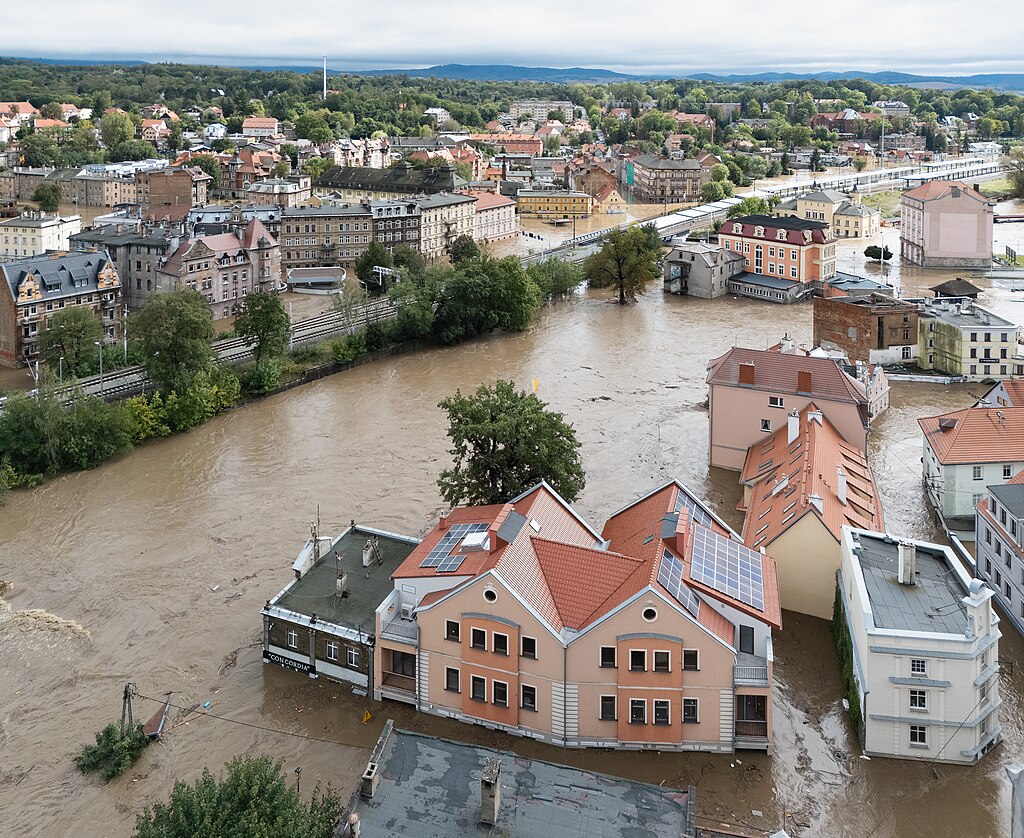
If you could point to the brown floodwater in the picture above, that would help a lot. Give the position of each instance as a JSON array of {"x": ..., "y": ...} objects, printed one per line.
[{"x": 153, "y": 569}]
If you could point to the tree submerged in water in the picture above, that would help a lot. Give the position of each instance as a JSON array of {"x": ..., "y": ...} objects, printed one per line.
[
  {"x": 882, "y": 254},
  {"x": 112, "y": 754}
]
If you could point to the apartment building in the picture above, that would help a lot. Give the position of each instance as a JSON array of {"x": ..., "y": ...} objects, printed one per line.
[
  {"x": 397, "y": 222},
  {"x": 35, "y": 288},
  {"x": 925, "y": 642},
  {"x": 401, "y": 181},
  {"x": 847, "y": 217},
  {"x": 946, "y": 224},
  {"x": 700, "y": 270},
  {"x": 999, "y": 545},
  {"x": 554, "y": 203},
  {"x": 35, "y": 233},
  {"x": 137, "y": 256},
  {"x": 443, "y": 218},
  {"x": 655, "y": 633},
  {"x": 260, "y": 127},
  {"x": 958, "y": 337},
  {"x": 540, "y": 108},
  {"x": 495, "y": 216},
  {"x": 312, "y": 237},
  {"x": 795, "y": 249},
  {"x": 665, "y": 180}
]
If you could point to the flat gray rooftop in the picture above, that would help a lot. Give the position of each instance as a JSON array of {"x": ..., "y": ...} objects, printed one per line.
[
  {"x": 314, "y": 592},
  {"x": 430, "y": 788},
  {"x": 931, "y": 604}
]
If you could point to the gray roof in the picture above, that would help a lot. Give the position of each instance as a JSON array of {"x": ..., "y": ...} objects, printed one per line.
[
  {"x": 314, "y": 592},
  {"x": 328, "y": 211},
  {"x": 431, "y": 201},
  {"x": 402, "y": 178},
  {"x": 774, "y": 282},
  {"x": 931, "y": 604},
  {"x": 849, "y": 208},
  {"x": 430, "y": 788},
  {"x": 1010, "y": 495},
  {"x": 827, "y": 195},
  {"x": 107, "y": 236},
  {"x": 654, "y": 161},
  {"x": 964, "y": 319},
  {"x": 63, "y": 276}
]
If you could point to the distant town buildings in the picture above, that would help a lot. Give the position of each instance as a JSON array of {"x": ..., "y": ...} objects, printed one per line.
[
  {"x": 946, "y": 224},
  {"x": 553, "y": 203},
  {"x": 664, "y": 180},
  {"x": 358, "y": 183},
  {"x": 925, "y": 649},
  {"x": 540, "y": 108},
  {"x": 892, "y": 107}
]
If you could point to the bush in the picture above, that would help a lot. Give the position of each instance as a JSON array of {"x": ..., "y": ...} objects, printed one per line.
[
  {"x": 225, "y": 388},
  {"x": 314, "y": 353},
  {"x": 379, "y": 335},
  {"x": 93, "y": 432},
  {"x": 348, "y": 348},
  {"x": 146, "y": 417},
  {"x": 111, "y": 755},
  {"x": 844, "y": 651},
  {"x": 262, "y": 377},
  {"x": 182, "y": 412}
]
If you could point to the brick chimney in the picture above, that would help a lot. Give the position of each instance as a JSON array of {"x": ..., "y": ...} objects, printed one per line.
[
  {"x": 747, "y": 377},
  {"x": 803, "y": 382}
]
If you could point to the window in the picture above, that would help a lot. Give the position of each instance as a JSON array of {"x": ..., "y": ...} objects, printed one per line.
[
  {"x": 451, "y": 630},
  {"x": 775, "y": 401},
  {"x": 650, "y": 615},
  {"x": 690, "y": 711},
  {"x": 478, "y": 639},
  {"x": 332, "y": 650},
  {"x": 477, "y": 688},
  {"x": 747, "y": 639},
  {"x": 662, "y": 661},
  {"x": 293, "y": 639},
  {"x": 661, "y": 712},
  {"x": 766, "y": 424},
  {"x": 353, "y": 658},
  {"x": 637, "y": 711},
  {"x": 499, "y": 643},
  {"x": 607, "y": 708},
  {"x": 690, "y": 660},
  {"x": 499, "y": 693},
  {"x": 528, "y": 647},
  {"x": 919, "y": 735},
  {"x": 608, "y": 656},
  {"x": 1007, "y": 472},
  {"x": 976, "y": 472},
  {"x": 451, "y": 679},
  {"x": 637, "y": 660},
  {"x": 918, "y": 666},
  {"x": 918, "y": 700}
]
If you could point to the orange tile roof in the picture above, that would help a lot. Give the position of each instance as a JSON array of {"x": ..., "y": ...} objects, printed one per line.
[
  {"x": 51, "y": 123},
  {"x": 939, "y": 189},
  {"x": 259, "y": 122},
  {"x": 474, "y": 565},
  {"x": 787, "y": 475},
  {"x": 778, "y": 372},
  {"x": 976, "y": 435},
  {"x": 1014, "y": 389},
  {"x": 486, "y": 200}
]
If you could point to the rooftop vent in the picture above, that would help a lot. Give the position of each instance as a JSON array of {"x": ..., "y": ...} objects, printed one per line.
[
  {"x": 490, "y": 791},
  {"x": 907, "y": 562}
]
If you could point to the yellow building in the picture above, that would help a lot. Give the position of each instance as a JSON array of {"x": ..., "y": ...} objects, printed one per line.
[
  {"x": 35, "y": 233},
  {"x": 847, "y": 217},
  {"x": 556, "y": 204}
]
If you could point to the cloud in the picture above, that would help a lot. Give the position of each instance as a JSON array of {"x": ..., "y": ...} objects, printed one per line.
[{"x": 659, "y": 36}]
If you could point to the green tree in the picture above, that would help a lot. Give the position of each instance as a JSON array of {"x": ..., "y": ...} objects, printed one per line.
[
  {"x": 93, "y": 432},
  {"x": 375, "y": 256},
  {"x": 254, "y": 799},
  {"x": 47, "y": 195},
  {"x": 626, "y": 262},
  {"x": 875, "y": 252},
  {"x": 504, "y": 441},
  {"x": 174, "y": 138},
  {"x": 1014, "y": 163},
  {"x": 464, "y": 249},
  {"x": 313, "y": 127},
  {"x": 281, "y": 169},
  {"x": 316, "y": 166},
  {"x": 38, "y": 149},
  {"x": 208, "y": 163},
  {"x": 132, "y": 150},
  {"x": 715, "y": 190},
  {"x": 816, "y": 161},
  {"x": 116, "y": 129},
  {"x": 554, "y": 277},
  {"x": 51, "y": 110},
  {"x": 750, "y": 206},
  {"x": 30, "y": 434},
  {"x": 84, "y": 136},
  {"x": 409, "y": 259},
  {"x": 482, "y": 296},
  {"x": 112, "y": 754},
  {"x": 173, "y": 332},
  {"x": 70, "y": 334},
  {"x": 719, "y": 173},
  {"x": 264, "y": 325}
]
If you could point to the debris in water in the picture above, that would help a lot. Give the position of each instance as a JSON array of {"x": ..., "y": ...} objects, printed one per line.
[
  {"x": 206, "y": 705},
  {"x": 865, "y": 756},
  {"x": 213, "y": 588}
]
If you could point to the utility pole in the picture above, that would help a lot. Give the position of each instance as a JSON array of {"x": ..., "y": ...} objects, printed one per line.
[
  {"x": 126, "y": 708},
  {"x": 325, "y": 78},
  {"x": 124, "y": 332}
]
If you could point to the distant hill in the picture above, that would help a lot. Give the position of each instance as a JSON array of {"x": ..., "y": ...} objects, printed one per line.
[
  {"x": 999, "y": 81},
  {"x": 509, "y": 72}
]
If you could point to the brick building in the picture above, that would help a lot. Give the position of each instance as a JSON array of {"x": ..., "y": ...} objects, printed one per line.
[
  {"x": 878, "y": 329},
  {"x": 172, "y": 193}
]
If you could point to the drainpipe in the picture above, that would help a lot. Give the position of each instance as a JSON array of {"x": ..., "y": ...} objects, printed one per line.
[{"x": 565, "y": 694}]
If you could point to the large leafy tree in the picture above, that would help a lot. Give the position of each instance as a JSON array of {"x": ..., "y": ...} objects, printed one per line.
[
  {"x": 254, "y": 800},
  {"x": 626, "y": 262},
  {"x": 208, "y": 163},
  {"x": 464, "y": 249},
  {"x": 376, "y": 255},
  {"x": 173, "y": 332},
  {"x": 263, "y": 324},
  {"x": 504, "y": 441},
  {"x": 116, "y": 129},
  {"x": 70, "y": 334},
  {"x": 47, "y": 195},
  {"x": 482, "y": 296}
]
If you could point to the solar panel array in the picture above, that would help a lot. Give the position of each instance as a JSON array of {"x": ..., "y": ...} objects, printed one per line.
[
  {"x": 441, "y": 556},
  {"x": 670, "y": 575},
  {"x": 727, "y": 566},
  {"x": 697, "y": 515}
]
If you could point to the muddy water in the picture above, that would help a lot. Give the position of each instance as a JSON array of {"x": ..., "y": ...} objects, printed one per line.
[{"x": 153, "y": 569}]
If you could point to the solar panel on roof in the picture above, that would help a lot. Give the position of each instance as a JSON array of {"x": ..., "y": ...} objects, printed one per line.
[
  {"x": 670, "y": 575},
  {"x": 442, "y": 551},
  {"x": 697, "y": 514},
  {"x": 727, "y": 566}
]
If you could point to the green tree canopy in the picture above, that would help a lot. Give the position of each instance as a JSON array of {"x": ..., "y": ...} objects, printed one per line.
[
  {"x": 316, "y": 166},
  {"x": 47, "y": 195},
  {"x": 254, "y": 800},
  {"x": 116, "y": 129},
  {"x": 132, "y": 150},
  {"x": 750, "y": 206},
  {"x": 174, "y": 331},
  {"x": 482, "y": 296},
  {"x": 464, "y": 249},
  {"x": 208, "y": 163},
  {"x": 504, "y": 441},
  {"x": 264, "y": 325},
  {"x": 626, "y": 262},
  {"x": 70, "y": 334},
  {"x": 376, "y": 255}
]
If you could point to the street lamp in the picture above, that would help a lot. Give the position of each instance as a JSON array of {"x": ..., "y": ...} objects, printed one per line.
[
  {"x": 100, "y": 345},
  {"x": 60, "y": 369},
  {"x": 124, "y": 331}
]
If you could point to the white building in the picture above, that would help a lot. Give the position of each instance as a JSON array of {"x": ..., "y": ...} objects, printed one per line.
[
  {"x": 439, "y": 115},
  {"x": 925, "y": 649},
  {"x": 966, "y": 451},
  {"x": 35, "y": 233},
  {"x": 1000, "y": 546},
  {"x": 215, "y": 131}
]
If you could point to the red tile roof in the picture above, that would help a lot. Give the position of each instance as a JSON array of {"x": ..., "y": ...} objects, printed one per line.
[
  {"x": 486, "y": 200},
  {"x": 779, "y": 372},
  {"x": 976, "y": 435},
  {"x": 259, "y": 122},
  {"x": 788, "y": 475},
  {"x": 475, "y": 564},
  {"x": 939, "y": 189}
]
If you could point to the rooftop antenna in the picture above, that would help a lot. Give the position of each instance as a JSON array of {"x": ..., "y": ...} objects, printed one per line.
[{"x": 325, "y": 78}]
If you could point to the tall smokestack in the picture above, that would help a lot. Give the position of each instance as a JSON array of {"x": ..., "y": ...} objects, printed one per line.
[{"x": 325, "y": 78}]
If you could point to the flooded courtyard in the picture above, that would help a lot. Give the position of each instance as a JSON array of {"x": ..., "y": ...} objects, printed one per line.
[{"x": 153, "y": 569}]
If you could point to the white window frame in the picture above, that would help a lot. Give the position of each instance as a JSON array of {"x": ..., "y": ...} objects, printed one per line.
[
  {"x": 331, "y": 650},
  {"x": 615, "y": 708},
  {"x": 668, "y": 660},
  {"x": 696, "y": 653},
  {"x": 633, "y": 668},
  {"x": 353, "y": 657},
  {"x": 522, "y": 647},
  {"x": 638, "y": 702},
  {"x": 473, "y": 633},
  {"x": 494, "y": 700},
  {"x": 494, "y": 645},
  {"x": 522, "y": 697},
  {"x": 919, "y": 667},
  {"x": 918, "y": 699},
  {"x": 473, "y": 680},
  {"x": 448, "y": 670},
  {"x": 292, "y": 639},
  {"x": 448, "y": 634},
  {"x": 918, "y": 736}
]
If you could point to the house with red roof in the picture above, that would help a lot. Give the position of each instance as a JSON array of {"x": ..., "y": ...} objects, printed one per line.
[
  {"x": 654, "y": 633},
  {"x": 946, "y": 224},
  {"x": 495, "y": 217},
  {"x": 797, "y": 250},
  {"x": 23, "y": 112},
  {"x": 260, "y": 126},
  {"x": 801, "y": 486}
]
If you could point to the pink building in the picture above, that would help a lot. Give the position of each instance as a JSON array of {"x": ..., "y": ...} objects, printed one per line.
[
  {"x": 655, "y": 633},
  {"x": 752, "y": 391},
  {"x": 495, "y": 217},
  {"x": 946, "y": 224}
]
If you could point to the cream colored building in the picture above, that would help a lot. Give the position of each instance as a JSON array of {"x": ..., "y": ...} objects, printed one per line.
[
  {"x": 35, "y": 233},
  {"x": 957, "y": 337},
  {"x": 443, "y": 218},
  {"x": 847, "y": 217}
]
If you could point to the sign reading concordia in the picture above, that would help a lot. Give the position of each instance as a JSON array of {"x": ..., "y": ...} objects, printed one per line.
[{"x": 298, "y": 666}]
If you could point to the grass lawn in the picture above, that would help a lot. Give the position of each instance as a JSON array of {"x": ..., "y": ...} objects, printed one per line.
[
  {"x": 999, "y": 186},
  {"x": 887, "y": 203}
]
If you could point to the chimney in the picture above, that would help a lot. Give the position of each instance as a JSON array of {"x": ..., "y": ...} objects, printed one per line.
[
  {"x": 841, "y": 485},
  {"x": 907, "y": 562},
  {"x": 443, "y": 523},
  {"x": 490, "y": 791},
  {"x": 747, "y": 374},
  {"x": 793, "y": 422},
  {"x": 803, "y": 382},
  {"x": 817, "y": 502}
]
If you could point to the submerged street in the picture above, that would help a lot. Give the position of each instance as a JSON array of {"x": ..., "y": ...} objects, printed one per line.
[{"x": 153, "y": 569}]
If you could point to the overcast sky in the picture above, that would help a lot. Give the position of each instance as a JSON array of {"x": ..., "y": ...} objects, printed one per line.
[{"x": 931, "y": 36}]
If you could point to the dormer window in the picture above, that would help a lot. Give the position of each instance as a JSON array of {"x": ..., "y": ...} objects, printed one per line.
[
  {"x": 780, "y": 235},
  {"x": 808, "y": 236},
  {"x": 759, "y": 232},
  {"x": 737, "y": 229}
]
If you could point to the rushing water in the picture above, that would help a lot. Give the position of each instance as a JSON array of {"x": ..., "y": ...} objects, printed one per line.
[{"x": 153, "y": 569}]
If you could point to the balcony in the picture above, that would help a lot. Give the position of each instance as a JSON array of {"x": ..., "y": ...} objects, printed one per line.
[
  {"x": 751, "y": 730},
  {"x": 401, "y": 631},
  {"x": 394, "y": 681},
  {"x": 750, "y": 671}
]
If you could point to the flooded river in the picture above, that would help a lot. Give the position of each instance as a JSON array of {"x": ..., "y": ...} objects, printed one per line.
[{"x": 153, "y": 569}]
